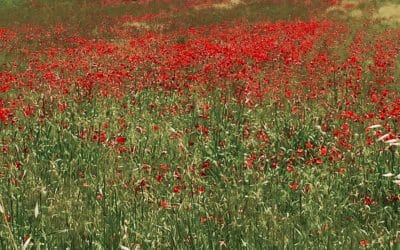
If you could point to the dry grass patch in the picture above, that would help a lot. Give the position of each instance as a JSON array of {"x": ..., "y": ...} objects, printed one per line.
[
  {"x": 228, "y": 5},
  {"x": 346, "y": 6},
  {"x": 356, "y": 13},
  {"x": 138, "y": 25},
  {"x": 390, "y": 13}
]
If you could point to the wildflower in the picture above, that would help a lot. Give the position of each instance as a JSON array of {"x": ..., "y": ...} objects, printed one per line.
[
  {"x": 120, "y": 140},
  {"x": 164, "y": 204},
  {"x": 323, "y": 151},
  {"x": 294, "y": 185},
  {"x": 368, "y": 201},
  {"x": 317, "y": 161},
  {"x": 99, "y": 196},
  {"x": 363, "y": 243},
  {"x": 159, "y": 178},
  {"x": 393, "y": 198},
  {"x": 164, "y": 167},
  {"x": 342, "y": 171},
  {"x": 203, "y": 219},
  {"x": 100, "y": 137},
  {"x": 309, "y": 145},
  {"x": 18, "y": 165},
  {"x": 201, "y": 190},
  {"x": 290, "y": 168},
  {"x": 177, "y": 189}
]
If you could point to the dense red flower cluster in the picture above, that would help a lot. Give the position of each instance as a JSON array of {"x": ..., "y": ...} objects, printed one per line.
[
  {"x": 288, "y": 65},
  {"x": 283, "y": 61}
]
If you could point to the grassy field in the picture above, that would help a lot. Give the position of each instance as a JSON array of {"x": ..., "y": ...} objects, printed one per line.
[{"x": 253, "y": 124}]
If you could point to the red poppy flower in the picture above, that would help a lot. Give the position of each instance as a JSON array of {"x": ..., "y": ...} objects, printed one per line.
[
  {"x": 177, "y": 189},
  {"x": 294, "y": 185},
  {"x": 363, "y": 243},
  {"x": 120, "y": 140},
  {"x": 164, "y": 204}
]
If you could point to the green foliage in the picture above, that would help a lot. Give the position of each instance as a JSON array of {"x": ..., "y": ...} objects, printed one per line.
[
  {"x": 11, "y": 3},
  {"x": 197, "y": 168}
]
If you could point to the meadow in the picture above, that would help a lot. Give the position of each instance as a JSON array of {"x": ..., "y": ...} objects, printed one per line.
[{"x": 171, "y": 124}]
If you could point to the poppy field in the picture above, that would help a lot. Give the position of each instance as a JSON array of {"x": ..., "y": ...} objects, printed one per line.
[{"x": 161, "y": 124}]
